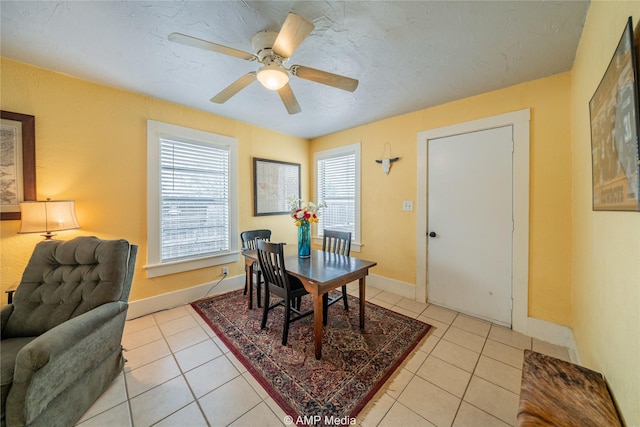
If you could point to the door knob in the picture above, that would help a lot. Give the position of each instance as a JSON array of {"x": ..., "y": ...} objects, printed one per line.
[{"x": 432, "y": 234}]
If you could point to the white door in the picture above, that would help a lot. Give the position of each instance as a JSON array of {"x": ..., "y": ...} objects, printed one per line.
[{"x": 470, "y": 223}]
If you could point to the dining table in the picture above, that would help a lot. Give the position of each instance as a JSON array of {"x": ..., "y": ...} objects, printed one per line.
[{"x": 319, "y": 273}]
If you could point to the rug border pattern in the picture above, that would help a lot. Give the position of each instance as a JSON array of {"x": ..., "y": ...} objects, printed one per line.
[{"x": 277, "y": 397}]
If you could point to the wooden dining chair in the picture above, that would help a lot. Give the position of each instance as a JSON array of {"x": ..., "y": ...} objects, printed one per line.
[
  {"x": 283, "y": 285},
  {"x": 249, "y": 242},
  {"x": 337, "y": 242}
]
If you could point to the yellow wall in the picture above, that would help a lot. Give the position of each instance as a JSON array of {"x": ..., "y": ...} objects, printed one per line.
[
  {"x": 91, "y": 147},
  {"x": 606, "y": 245},
  {"x": 389, "y": 234},
  {"x": 584, "y": 270}
]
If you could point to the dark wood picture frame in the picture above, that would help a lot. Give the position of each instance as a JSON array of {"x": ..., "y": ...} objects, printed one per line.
[
  {"x": 615, "y": 121},
  {"x": 28, "y": 158},
  {"x": 274, "y": 184}
]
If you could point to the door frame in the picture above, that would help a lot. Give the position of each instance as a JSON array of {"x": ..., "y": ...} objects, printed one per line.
[{"x": 519, "y": 120}]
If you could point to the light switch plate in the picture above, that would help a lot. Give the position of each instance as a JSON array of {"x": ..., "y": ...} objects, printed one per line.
[{"x": 407, "y": 205}]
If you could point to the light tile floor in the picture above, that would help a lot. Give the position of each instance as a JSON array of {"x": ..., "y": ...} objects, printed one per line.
[{"x": 466, "y": 372}]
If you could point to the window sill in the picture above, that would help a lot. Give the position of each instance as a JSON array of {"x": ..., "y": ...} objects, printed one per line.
[{"x": 157, "y": 270}]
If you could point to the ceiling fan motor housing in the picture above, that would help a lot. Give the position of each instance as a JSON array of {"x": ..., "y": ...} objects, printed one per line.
[{"x": 262, "y": 44}]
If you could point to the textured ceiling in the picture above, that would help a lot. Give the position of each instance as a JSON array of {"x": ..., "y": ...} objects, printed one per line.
[{"x": 406, "y": 55}]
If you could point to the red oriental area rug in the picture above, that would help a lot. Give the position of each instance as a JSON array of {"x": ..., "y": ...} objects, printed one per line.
[{"x": 330, "y": 391}]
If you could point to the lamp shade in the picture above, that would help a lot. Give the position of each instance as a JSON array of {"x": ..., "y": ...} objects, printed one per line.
[
  {"x": 47, "y": 216},
  {"x": 272, "y": 77}
]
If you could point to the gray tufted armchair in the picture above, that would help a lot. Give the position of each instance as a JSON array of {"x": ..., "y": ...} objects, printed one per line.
[{"x": 60, "y": 347}]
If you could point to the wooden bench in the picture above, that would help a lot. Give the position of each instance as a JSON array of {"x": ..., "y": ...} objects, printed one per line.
[{"x": 558, "y": 393}]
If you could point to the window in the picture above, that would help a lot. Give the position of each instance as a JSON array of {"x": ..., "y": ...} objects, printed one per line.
[
  {"x": 192, "y": 206},
  {"x": 337, "y": 173}
]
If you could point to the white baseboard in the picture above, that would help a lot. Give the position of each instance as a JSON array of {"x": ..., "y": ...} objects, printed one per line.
[
  {"x": 183, "y": 296},
  {"x": 554, "y": 334},
  {"x": 169, "y": 300},
  {"x": 536, "y": 328},
  {"x": 403, "y": 289}
]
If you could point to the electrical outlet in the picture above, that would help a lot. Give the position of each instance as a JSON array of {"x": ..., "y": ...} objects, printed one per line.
[
  {"x": 225, "y": 270},
  {"x": 407, "y": 205}
]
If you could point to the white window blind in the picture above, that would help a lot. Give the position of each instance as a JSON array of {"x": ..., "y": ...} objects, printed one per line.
[
  {"x": 194, "y": 200},
  {"x": 338, "y": 186}
]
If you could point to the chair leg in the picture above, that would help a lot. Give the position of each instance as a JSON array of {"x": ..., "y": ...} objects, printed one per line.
[
  {"x": 325, "y": 308},
  {"x": 258, "y": 287},
  {"x": 245, "y": 282},
  {"x": 344, "y": 297},
  {"x": 265, "y": 310},
  {"x": 259, "y": 292},
  {"x": 285, "y": 330},
  {"x": 296, "y": 302}
]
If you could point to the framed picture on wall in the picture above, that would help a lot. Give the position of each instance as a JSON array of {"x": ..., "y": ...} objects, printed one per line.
[
  {"x": 17, "y": 163},
  {"x": 614, "y": 131},
  {"x": 274, "y": 183}
]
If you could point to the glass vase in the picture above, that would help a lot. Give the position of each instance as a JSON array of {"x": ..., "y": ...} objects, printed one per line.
[{"x": 304, "y": 240}]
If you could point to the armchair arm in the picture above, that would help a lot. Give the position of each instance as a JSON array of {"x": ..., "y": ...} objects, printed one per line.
[
  {"x": 6, "y": 312},
  {"x": 50, "y": 363}
]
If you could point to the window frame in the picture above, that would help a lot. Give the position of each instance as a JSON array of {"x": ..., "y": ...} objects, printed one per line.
[
  {"x": 355, "y": 148},
  {"x": 155, "y": 132}
]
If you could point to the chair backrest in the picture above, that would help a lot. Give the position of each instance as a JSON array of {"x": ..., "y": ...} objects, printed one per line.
[
  {"x": 271, "y": 261},
  {"x": 65, "y": 279},
  {"x": 338, "y": 242},
  {"x": 249, "y": 237}
]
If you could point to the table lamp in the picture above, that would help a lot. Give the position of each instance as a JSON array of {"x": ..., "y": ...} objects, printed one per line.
[{"x": 47, "y": 216}]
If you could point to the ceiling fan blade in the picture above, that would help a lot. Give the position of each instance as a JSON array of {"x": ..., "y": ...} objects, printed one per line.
[
  {"x": 324, "y": 77},
  {"x": 293, "y": 32},
  {"x": 203, "y": 44},
  {"x": 289, "y": 99},
  {"x": 234, "y": 88}
]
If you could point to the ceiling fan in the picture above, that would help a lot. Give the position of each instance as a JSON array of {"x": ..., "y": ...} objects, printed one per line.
[{"x": 273, "y": 50}]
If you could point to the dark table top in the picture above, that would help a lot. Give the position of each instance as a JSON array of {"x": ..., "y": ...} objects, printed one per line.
[{"x": 321, "y": 267}]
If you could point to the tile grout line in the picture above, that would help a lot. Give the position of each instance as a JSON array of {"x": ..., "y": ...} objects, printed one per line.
[
  {"x": 240, "y": 375},
  {"x": 473, "y": 372},
  {"x": 164, "y": 337},
  {"x": 184, "y": 378},
  {"x": 446, "y": 327}
]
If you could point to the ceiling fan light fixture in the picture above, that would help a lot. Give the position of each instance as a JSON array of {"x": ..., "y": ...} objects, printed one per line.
[{"x": 272, "y": 77}]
